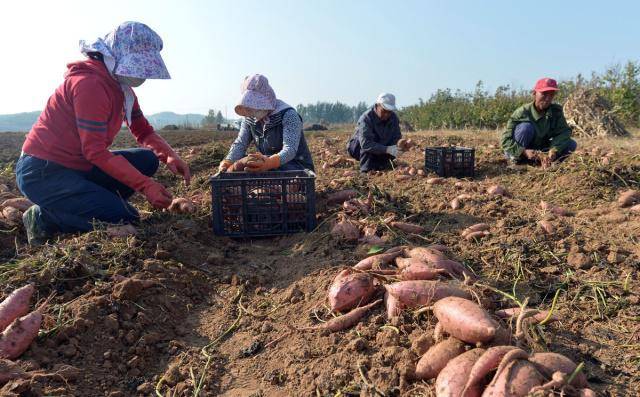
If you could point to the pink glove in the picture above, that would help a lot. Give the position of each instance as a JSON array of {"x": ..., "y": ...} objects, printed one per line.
[
  {"x": 157, "y": 195},
  {"x": 121, "y": 169}
]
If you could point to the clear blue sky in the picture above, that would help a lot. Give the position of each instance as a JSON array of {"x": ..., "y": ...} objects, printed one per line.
[{"x": 320, "y": 50}]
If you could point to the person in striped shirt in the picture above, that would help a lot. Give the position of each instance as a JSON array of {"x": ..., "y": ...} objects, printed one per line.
[{"x": 273, "y": 126}]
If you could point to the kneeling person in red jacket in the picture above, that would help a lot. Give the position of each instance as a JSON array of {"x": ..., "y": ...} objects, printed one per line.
[{"x": 66, "y": 167}]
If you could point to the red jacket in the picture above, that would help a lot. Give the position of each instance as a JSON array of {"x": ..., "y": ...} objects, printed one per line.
[{"x": 81, "y": 120}]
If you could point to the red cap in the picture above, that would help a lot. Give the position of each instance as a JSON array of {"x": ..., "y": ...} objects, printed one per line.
[{"x": 546, "y": 84}]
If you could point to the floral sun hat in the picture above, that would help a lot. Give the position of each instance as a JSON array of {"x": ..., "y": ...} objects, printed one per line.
[
  {"x": 257, "y": 94},
  {"x": 132, "y": 50}
]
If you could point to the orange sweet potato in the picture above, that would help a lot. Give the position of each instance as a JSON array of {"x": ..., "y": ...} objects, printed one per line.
[
  {"x": 408, "y": 227},
  {"x": 17, "y": 337},
  {"x": 629, "y": 198},
  {"x": 516, "y": 379},
  {"x": 346, "y": 230},
  {"x": 20, "y": 203},
  {"x": 182, "y": 205},
  {"x": 465, "y": 320},
  {"x": 497, "y": 190},
  {"x": 414, "y": 293},
  {"x": 341, "y": 196},
  {"x": 393, "y": 305},
  {"x": 350, "y": 289},
  {"x": 345, "y": 321},
  {"x": 437, "y": 357},
  {"x": 383, "y": 259},
  {"x": 488, "y": 362},
  {"x": 478, "y": 227},
  {"x": 453, "y": 377},
  {"x": 15, "y": 305},
  {"x": 419, "y": 270},
  {"x": 548, "y": 363},
  {"x": 426, "y": 254}
]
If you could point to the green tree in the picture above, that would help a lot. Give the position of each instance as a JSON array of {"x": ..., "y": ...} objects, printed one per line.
[{"x": 209, "y": 119}]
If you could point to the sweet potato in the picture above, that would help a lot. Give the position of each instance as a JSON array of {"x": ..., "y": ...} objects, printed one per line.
[
  {"x": 455, "y": 203},
  {"x": 426, "y": 254},
  {"x": 586, "y": 392},
  {"x": 453, "y": 377},
  {"x": 408, "y": 227},
  {"x": 476, "y": 235},
  {"x": 547, "y": 227},
  {"x": 12, "y": 216},
  {"x": 455, "y": 269},
  {"x": 341, "y": 196},
  {"x": 20, "y": 203},
  {"x": 421, "y": 173},
  {"x": 347, "y": 320},
  {"x": 243, "y": 164},
  {"x": 402, "y": 177},
  {"x": 346, "y": 230},
  {"x": 182, "y": 205},
  {"x": 17, "y": 337},
  {"x": 629, "y": 198},
  {"x": 383, "y": 259},
  {"x": 438, "y": 247},
  {"x": 393, "y": 305},
  {"x": 405, "y": 144},
  {"x": 419, "y": 270},
  {"x": 437, "y": 357},
  {"x": 515, "y": 380},
  {"x": 478, "y": 227},
  {"x": 414, "y": 293},
  {"x": 546, "y": 206},
  {"x": 435, "y": 181},
  {"x": 497, "y": 190},
  {"x": 548, "y": 363},
  {"x": 515, "y": 311},
  {"x": 349, "y": 290},
  {"x": 465, "y": 320},
  {"x": 635, "y": 208},
  {"x": 488, "y": 362},
  {"x": 403, "y": 263},
  {"x": 15, "y": 305}
]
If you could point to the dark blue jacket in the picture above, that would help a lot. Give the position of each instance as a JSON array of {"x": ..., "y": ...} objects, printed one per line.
[{"x": 374, "y": 135}]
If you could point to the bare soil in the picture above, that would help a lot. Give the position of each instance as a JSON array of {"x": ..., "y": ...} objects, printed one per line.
[{"x": 218, "y": 319}]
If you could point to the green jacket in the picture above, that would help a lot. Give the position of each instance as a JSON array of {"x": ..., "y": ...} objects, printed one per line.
[{"x": 552, "y": 130}]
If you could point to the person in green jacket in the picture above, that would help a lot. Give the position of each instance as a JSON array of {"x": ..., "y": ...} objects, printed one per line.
[{"x": 537, "y": 132}]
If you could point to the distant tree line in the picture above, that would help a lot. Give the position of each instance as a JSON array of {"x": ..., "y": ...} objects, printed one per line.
[
  {"x": 331, "y": 113},
  {"x": 620, "y": 84},
  {"x": 212, "y": 119}
]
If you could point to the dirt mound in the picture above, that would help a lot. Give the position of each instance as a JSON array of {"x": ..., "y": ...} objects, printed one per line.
[{"x": 590, "y": 114}]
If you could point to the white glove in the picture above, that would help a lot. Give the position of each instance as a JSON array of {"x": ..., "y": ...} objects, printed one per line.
[{"x": 392, "y": 150}]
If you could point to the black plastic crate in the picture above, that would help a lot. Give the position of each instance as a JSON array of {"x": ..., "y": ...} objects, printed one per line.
[
  {"x": 450, "y": 161},
  {"x": 263, "y": 204}
]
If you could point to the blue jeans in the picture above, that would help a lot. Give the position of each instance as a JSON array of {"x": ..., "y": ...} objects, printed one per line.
[
  {"x": 524, "y": 134},
  {"x": 69, "y": 200}
]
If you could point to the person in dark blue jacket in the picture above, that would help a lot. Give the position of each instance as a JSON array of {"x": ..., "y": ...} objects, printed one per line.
[{"x": 374, "y": 142}]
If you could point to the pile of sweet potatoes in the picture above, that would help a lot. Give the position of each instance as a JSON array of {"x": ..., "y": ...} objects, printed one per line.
[
  {"x": 477, "y": 353},
  {"x": 19, "y": 327},
  {"x": 11, "y": 210}
]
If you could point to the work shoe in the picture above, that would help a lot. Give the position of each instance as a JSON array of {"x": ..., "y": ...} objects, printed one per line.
[{"x": 36, "y": 235}]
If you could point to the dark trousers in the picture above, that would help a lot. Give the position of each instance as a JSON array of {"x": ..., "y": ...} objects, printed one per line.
[
  {"x": 69, "y": 200},
  {"x": 369, "y": 161},
  {"x": 525, "y": 138}
]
